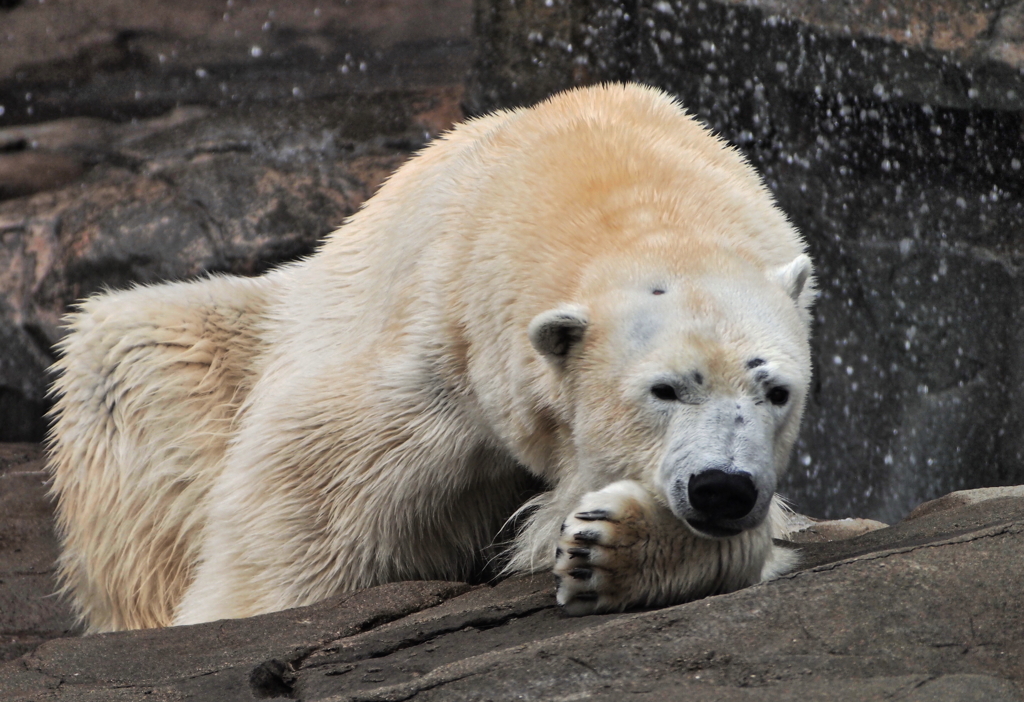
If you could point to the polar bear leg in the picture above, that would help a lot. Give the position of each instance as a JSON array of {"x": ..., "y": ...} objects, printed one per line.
[
  {"x": 620, "y": 548},
  {"x": 149, "y": 382}
]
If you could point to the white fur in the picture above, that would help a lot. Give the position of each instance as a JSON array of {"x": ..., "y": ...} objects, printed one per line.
[{"x": 229, "y": 447}]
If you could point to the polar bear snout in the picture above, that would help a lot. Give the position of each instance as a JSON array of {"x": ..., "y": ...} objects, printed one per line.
[
  {"x": 719, "y": 501},
  {"x": 722, "y": 496}
]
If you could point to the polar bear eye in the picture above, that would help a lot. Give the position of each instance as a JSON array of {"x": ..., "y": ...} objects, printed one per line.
[
  {"x": 778, "y": 396},
  {"x": 666, "y": 392}
]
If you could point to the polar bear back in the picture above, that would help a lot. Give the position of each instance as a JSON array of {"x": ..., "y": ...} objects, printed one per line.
[{"x": 506, "y": 216}]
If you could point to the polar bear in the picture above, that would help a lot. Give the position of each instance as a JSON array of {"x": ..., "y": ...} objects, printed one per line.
[{"x": 594, "y": 295}]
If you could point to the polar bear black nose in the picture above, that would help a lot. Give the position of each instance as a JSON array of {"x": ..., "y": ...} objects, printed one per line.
[{"x": 721, "y": 495}]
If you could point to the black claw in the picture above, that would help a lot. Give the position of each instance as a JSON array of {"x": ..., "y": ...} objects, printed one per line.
[
  {"x": 562, "y": 530},
  {"x": 587, "y": 537},
  {"x": 594, "y": 515},
  {"x": 586, "y": 596},
  {"x": 558, "y": 553},
  {"x": 581, "y": 552},
  {"x": 580, "y": 573}
]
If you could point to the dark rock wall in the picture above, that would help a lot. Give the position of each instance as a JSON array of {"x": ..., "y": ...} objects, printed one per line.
[
  {"x": 199, "y": 191},
  {"x": 116, "y": 59},
  {"x": 892, "y": 137},
  {"x": 147, "y": 141}
]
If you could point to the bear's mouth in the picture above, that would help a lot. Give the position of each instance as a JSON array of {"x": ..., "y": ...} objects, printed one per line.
[{"x": 713, "y": 530}]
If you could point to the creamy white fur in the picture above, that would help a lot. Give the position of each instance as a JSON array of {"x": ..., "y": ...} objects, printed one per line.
[{"x": 228, "y": 447}]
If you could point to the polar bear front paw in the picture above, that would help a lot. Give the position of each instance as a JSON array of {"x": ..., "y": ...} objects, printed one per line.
[{"x": 599, "y": 547}]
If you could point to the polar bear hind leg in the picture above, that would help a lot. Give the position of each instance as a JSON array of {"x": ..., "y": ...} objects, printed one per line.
[{"x": 149, "y": 384}]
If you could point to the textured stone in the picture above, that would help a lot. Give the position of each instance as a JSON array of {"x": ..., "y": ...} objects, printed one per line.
[
  {"x": 238, "y": 659},
  {"x": 805, "y": 530},
  {"x": 941, "y": 52},
  {"x": 145, "y": 141},
  {"x": 924, "y": 610},
  {"x": 118, "y": 60},
  {"x": 192, "y": 192},
  {"x": 29, "y": 611},
  {"x": 962, "y": 498}
]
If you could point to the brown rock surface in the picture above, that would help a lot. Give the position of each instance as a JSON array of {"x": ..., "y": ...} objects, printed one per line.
[
  {"x": 146, "y": 141},
  {"x": 195, "y": 191},
  {"x": 807, "y": 530},
  {"x": 926, "y": 610},
  {"x": 963, "y": 498},
  {"x": 29, "y": 611},
  {"x": 116, "y": 59}
]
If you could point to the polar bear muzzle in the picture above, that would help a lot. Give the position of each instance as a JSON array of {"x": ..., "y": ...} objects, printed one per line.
[
  {"x": 721, "y": 498},
  {"x": 718, "y": 477},
  {"x": 720, "y": 501}
]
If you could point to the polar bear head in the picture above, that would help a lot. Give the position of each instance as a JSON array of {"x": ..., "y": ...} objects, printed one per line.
[{"x": 687, "y": 371}]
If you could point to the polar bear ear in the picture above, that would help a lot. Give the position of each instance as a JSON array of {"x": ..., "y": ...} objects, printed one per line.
[
  {"x": 555, "y": 332},
  {"x": 793, "y": 276}
]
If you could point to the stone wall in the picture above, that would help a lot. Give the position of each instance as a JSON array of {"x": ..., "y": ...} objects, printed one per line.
[
  {"x": 892, "y": 136},
  {"x": 144, "y": 141}
]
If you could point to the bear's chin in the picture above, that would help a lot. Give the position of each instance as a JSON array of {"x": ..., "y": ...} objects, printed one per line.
[{"x": 709, "y": 530}]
